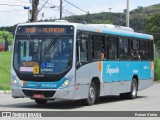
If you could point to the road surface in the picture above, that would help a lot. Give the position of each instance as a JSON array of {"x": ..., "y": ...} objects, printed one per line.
[{"x": 148, "y": 100}]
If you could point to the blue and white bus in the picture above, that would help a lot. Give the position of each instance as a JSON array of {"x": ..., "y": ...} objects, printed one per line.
[{"x": 74, "y": 61}]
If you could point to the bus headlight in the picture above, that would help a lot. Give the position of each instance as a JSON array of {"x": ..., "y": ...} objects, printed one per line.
[
  {"x": 14, "y": 81},
  {"x": 66, "y": 83}
]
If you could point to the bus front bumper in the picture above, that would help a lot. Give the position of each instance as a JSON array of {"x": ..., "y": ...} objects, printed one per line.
[{"x": 66, "y": 93}]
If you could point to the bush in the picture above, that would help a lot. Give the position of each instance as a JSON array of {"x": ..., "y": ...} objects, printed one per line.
[{"x": 157, "y": 69}]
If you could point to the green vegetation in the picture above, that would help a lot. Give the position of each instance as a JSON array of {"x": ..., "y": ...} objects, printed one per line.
[
  {"x": 153, "y": 27},
  {"x": 9, "y": 36},
  {"x": 5, "y": 70},
  {"x": 157, "y": 69}
]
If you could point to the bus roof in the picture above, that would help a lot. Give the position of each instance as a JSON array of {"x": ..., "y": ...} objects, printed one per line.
[{"x": 108, "y": 29}]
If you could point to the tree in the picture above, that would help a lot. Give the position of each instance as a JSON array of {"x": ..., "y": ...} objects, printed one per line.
[
  {"x": 9, "y": 36},
  {"x": 153, "y": 27},
  {"x": 125, "y": 11},
  {"x": 140, "y": 8}
]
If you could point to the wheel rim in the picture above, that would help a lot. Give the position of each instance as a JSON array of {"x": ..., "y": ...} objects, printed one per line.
[{"x": 91, "y": 94}]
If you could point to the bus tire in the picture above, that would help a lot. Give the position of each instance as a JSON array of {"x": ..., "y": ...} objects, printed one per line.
[
  {"x": 134, "y": 89},
  {"x": 40, "y": 102},
  {"x": 92, "y": 95}
]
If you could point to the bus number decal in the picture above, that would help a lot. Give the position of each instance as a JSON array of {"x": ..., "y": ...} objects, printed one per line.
[{"x": 30, "y": 30}]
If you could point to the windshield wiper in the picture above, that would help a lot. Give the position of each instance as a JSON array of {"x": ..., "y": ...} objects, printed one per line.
[
  {"x": 51, "y": 44},
  {"x": 30, "y": 40}
]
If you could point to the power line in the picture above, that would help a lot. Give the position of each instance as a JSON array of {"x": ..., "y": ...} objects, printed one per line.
[
  {"x": 12, "y": 11},
  {"x": 66, "y": 12},
  {"x": 50, "y": 3},
  {"x": 58, "y": 8},
  {"x": 76, "y": 6},
  {"x": 43, "y": 5},
  {"x": 12, "y": 5},
  {"x": 70, "y": 12},
  {"x": 22, "y": 1}
]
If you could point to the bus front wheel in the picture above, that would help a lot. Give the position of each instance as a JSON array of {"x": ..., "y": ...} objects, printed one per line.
[
  {"x": 92, "y": 94},
  {"x": 40, "y": 101}
]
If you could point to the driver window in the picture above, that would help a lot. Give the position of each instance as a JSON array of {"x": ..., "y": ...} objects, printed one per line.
[{"x": 83, "y": 50}]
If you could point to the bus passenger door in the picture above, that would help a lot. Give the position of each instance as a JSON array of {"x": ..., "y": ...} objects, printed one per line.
[{"x": 82, "y": 67}]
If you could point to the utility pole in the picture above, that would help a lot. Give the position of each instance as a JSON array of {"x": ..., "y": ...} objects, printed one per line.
[
  {"x": 61, "y": 9},
  {"x": 127, "y": 14},
  {"x": 35, "y": 4}
]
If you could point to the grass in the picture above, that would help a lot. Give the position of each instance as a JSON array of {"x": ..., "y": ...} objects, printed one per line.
[
  {"x": 5, "y": 70},
  {"x": 157, "y": 69}
]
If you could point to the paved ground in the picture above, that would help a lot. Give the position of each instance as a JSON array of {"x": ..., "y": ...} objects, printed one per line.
[{"x": 148, "y": 100}]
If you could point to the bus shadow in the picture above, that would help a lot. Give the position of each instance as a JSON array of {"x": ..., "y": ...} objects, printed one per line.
[
  {"x": 63, "y": 104},
  {"x": 115, "y": 98}
]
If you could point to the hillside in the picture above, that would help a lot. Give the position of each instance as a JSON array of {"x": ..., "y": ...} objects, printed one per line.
[
  {"x": 145, "y": 12},
  {"x": 138, "y": 18}
]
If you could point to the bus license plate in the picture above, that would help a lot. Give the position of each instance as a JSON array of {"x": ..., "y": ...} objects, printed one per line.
[{"x": 38, "y": 96}]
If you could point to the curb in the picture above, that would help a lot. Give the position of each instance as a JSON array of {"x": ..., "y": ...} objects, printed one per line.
[{"x": 5, "y": 92}]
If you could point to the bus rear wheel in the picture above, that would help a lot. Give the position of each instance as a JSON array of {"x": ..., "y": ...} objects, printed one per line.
[
  {"x": 133, "y": 92},
  {"x": 134, "y": 89},
  {"x": 40, "y": 102},
  {"x": 92, "y": 95}
]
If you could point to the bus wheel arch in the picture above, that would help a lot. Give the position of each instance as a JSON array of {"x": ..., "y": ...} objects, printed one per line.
[
  {"x": 93, "y": 93},
  {"x": 133, "y": 89}
]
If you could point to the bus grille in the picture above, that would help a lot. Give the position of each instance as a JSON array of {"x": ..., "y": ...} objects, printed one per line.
[{"x": 30, "y": 93}]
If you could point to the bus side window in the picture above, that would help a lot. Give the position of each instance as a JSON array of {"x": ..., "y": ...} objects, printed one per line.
[
  {"x": 98, "y": 46},
  {"x": 96, "y": 43},
  {"x": 151, "y": 50},
  {"x": 112, "y": 49},
  {"x": 145, "y": 49},
  {"x": 124, "y": 49},
  {"x": 135, "y": 54}
]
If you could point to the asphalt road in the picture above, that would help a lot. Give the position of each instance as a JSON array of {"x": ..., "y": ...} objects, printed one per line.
[{"x": 148, "y": 100}]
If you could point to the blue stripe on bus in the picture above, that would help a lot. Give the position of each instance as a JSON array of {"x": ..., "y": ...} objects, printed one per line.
[
  {"x": 44, "y": 85},
  {"x": 114, "y": 71},
  {"x": 127, "y": 34}
]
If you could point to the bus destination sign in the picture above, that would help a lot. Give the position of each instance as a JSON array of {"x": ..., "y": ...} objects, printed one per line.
[{"x": 45, "y": 30}]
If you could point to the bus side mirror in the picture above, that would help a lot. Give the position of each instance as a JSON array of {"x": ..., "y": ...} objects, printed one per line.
[{"x": 79, "y": 64}]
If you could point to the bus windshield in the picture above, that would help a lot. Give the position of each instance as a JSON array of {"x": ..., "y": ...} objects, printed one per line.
[{"x": 51, "y": 54}]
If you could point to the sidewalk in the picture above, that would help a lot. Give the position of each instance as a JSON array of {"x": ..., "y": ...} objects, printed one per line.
[{"x": 5, "y": 92}]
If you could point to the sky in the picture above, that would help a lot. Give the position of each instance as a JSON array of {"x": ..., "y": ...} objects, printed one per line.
[{"x": 15, "y": 13}]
